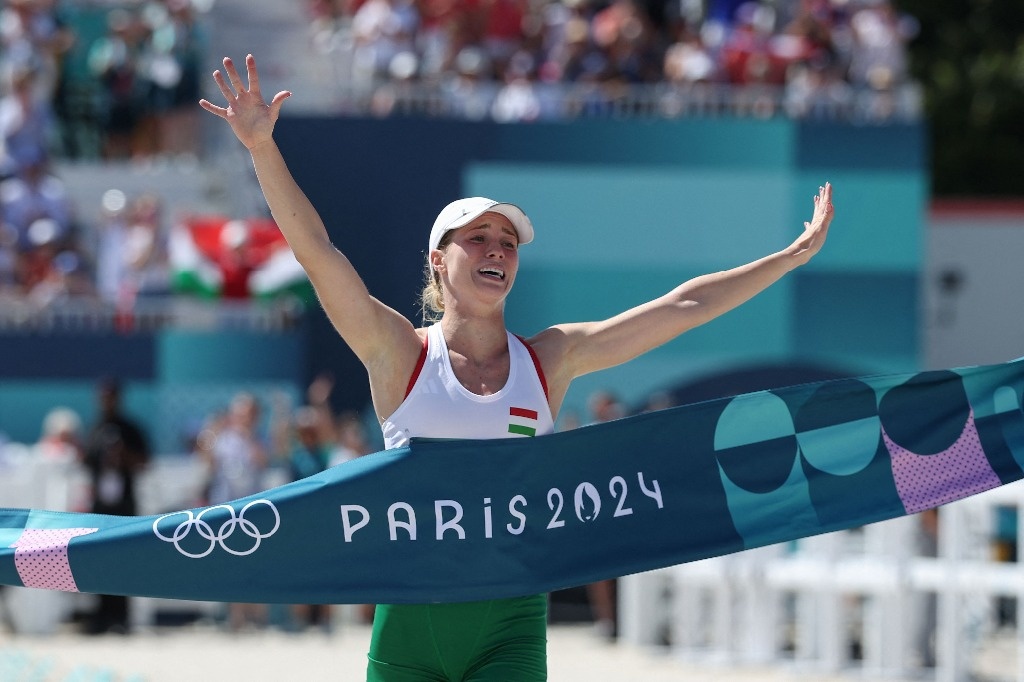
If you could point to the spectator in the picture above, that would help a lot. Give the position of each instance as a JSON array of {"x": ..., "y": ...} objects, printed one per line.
[
  {"x": 236, "y": 461},
  {"x": 31, "y": 37},
  {"x": 131, "y": 251},
  {"x": 622, "y": 31},
  {"x": 747, "y": 57},
  {"x": 61, "y": 438},
  {"x": 169, "y": 73},
  {"x": 352, "y": 439},
  {"x": 470, "y": 93},
  {"x": 238, "y": 455},
  {"x": 235, "y": 259},
  {"x": 37, "y": 193},
  {"x": 116, "y": 451},
  {"x": 27, "y": 124},
  {"x": 344, "y": 435},
  {"x": 310, "y": 453},
  {"x": 111, "y": 241},
  {"x": 146, "y": 247},
  {"x": 687, "y": 60},
  {"x": 517, "y": 100},
  {"x": 817, "y": 89},
  {"x": 563, "y": 24},
  {"x": 114, "y": 62},
  {"x": 382, "y": 29},
  {"x": 879, "y": 58},
  {"x": 446, "y": 27},
  {"x": 502, "y": 30},
  {"x": 50, "y": 269}
]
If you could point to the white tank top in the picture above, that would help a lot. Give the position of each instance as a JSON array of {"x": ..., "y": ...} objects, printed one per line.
[{"x": 438, "y": 406}]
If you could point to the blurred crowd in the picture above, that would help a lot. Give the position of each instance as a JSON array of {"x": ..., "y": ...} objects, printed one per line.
[
  {"x": 47, "y": 256},
  {"x": 127, "y": 71},
  {"x": 502, "y": 58},
  {"x": 122, "y": 87},
  {"x": 120, "y": 80},
  {"x": 250, "y": 444}
]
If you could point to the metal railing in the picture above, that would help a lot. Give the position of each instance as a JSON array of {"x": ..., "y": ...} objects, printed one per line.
[
  {"x": 480, "y": 100},
  {"x": 91, "y": 315}
]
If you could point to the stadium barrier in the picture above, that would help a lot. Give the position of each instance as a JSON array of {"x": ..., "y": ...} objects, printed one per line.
[
  {"x": 476, "y": 100},
  {"x": 838, "y": 601}
]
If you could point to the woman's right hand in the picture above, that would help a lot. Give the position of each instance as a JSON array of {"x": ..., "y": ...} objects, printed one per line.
[{"x": 250, "y": 117}]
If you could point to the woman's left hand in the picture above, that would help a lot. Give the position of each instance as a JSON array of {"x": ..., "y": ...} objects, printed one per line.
[{"x": 815, "y": 231}]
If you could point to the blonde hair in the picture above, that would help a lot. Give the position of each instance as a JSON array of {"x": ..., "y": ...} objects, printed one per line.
[{"x": 432, "y": 295}]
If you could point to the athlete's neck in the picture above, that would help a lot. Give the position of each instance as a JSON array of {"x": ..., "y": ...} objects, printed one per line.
[{"x": 479, "y": 341}]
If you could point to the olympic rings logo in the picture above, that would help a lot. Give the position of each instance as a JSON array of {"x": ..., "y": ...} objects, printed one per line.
[{"x": 224, "y": 531}]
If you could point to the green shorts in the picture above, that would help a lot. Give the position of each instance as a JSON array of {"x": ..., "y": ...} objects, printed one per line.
[{"x": 502, "y": 639}]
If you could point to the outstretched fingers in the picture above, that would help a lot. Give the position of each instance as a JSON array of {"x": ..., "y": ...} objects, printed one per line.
[
  {"x": 252, "y": 74},
  {"x": 825, "y": 196},
  {"x": 823, "y": 201},
  {"x": 279, "y": 98},
  {"x": 233, "y": 76},
  {"x": 228, "y": 93},
  {"x": 230, "y": 83},
  {"x": 213, "y": 108}
]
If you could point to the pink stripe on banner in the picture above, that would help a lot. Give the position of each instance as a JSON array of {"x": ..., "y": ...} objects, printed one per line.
[{"x": 41, "y": 557}]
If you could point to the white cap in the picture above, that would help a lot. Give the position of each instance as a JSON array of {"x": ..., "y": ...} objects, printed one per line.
[{"x": 464, "y": 211}]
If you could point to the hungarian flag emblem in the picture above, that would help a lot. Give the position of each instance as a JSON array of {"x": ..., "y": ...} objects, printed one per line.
[{"x": 522, "y": 422}]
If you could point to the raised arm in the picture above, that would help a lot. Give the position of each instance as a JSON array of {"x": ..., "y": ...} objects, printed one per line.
[
  {"x": 571, "y": 350},
  {"x": 384, "y": 341}
]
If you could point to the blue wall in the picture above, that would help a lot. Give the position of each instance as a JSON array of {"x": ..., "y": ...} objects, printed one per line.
[{"x": 172, "y": 379}]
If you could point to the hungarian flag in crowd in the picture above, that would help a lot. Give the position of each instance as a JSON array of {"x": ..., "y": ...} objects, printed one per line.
[{"x": 214, "y": 256}]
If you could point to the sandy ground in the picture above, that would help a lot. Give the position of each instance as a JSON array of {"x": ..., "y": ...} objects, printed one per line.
[{"x": 198, "y": 653}]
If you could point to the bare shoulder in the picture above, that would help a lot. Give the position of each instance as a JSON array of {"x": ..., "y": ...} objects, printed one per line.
[
  {"x": 390, "y": 372},
  {"x": 553, "y": 348},
  {"x": 548, "y": 342},
  {"x": 558, "y": 340}
]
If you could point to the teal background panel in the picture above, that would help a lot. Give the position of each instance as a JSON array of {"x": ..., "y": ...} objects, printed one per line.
[
  {"x": 726, "y": 143},
  {"x": 546, "y": 296},
  {"x": 866, "y": 320},
  {"x": 879, "y": 220},
  {"x": 829, "y": 146},
  {"x": 643, "y": 215},
  {"x": 186, "y": 356}
]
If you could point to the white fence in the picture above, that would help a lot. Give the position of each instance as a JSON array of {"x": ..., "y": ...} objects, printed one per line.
[{"x": 864, "y": 600}]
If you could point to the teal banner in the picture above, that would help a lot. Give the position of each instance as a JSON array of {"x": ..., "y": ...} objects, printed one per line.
[{"x": 466, "y": 520}]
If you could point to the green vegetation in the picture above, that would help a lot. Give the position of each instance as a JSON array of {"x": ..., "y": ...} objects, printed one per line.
[{"x": 969, "y": 56}]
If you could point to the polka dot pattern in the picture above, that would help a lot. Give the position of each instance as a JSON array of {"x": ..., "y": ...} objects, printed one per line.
[
  {"x": 41, "y": 557},
  {"x": 926, "y": 481}
]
